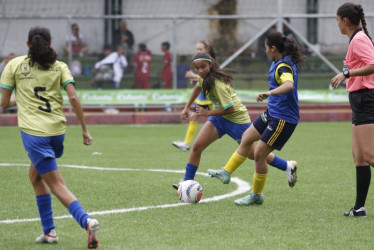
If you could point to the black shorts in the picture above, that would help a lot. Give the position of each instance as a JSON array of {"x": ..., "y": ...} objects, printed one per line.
[
  {"x": 362, "y": 104},
  {"x": 274, "y": 132}
]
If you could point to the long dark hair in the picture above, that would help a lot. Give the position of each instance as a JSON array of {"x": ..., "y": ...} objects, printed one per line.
[
  {"x": 40, "y": 50},
  {"x": 355, "y": 14},
  {"x": 286, "y": 46},
  {"x": 225, "y": 75}
]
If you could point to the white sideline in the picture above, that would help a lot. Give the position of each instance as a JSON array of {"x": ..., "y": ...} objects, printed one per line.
[{"x": 242, "y": 188}]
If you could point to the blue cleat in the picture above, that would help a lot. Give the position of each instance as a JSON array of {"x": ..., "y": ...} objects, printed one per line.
[
  {"x": 222, "y": 174},
  {"x": 250, "y": 199}
]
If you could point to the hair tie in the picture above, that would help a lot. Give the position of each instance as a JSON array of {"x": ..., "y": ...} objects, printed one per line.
[{"x": 201, "y": 59}]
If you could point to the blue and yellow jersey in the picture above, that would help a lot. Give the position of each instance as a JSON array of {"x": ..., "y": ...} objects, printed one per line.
[
  {"x": 38, "y": 95},
  {"x": 201, "y": 99},
  {"x": 284, "y": 106},
  {"x": 223, "y": 96}
]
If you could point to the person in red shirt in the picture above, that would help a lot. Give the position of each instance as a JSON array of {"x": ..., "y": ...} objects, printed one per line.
[
  {"x": 166, "y": 72},
  {"x": 358, "y": 72},
  {"x": 142, "y": 62}
]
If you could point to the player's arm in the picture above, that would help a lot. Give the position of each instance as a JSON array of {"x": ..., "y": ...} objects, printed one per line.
[
  {"x": 195, "y": 93},
  {"x": 285, "y": 81},
  {"x": 7, "y": 100},
  {"x": 77, "y": 108},
  {"x": 215, "y": 112}
]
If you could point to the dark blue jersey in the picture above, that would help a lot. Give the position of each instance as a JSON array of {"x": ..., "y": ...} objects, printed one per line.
[{"x": 284, "y": 106}]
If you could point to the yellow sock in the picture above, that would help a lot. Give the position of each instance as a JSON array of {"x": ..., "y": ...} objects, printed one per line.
[
  {"x": 190, "y": 132},
  {"x": 259, "y": 183},
  {"x": 235, "y": 161}
]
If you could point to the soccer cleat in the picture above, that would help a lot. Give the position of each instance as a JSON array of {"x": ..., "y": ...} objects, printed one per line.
[
  {"x": 222, "y": 174},
  {"x": 176, "y": 185},
  {"x": 356, "y": 213},
  {"x": 92, "y": 228},
  {"x": 181, "y": 145},
  {"x": 250, "y": 199},
  {"x": 50, "y": 237},
  {"x": 291, "y": 174}
]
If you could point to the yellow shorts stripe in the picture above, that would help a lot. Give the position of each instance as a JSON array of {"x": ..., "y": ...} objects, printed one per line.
[{"x": 277, "y": 132}]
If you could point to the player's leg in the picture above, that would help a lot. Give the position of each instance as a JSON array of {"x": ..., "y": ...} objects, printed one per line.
[
  {"x": 44, "y": 203},
  {"x": 362, "y": 140},
  {"x": 206, "y": 136},
  {"x": 57, "y": 185},
  {"x": 259, "y": 178}
]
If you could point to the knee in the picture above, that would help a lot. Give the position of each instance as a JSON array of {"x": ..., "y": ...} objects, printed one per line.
[
  {"x": 257, "y": 156},
  {"x": 197, "y": 147},
  {"x": 35, "y": 179},
  {"x": 369, "y": 159},
  {"x": 251, "y": 156}
]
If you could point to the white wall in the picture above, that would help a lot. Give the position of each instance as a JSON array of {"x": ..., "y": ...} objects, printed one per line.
[{"x": 154, "y": 32}]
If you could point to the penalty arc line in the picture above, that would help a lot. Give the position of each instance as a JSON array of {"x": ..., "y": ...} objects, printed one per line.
[{"x": 242, "y": 188}]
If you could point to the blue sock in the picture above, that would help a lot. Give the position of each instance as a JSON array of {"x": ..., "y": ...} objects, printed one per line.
[
  {"x": 279, "y": 163},
  {"x": 75, "y": 208},
  {"x": 190, "y": 172},
  {"x": 44, "y": 203}
]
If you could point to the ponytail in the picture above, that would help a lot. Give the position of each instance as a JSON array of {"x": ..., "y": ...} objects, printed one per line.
[
  {"x": 360, "y": 12},
  {"x": 287, "y": 46},
  {"x": 40, "y": 51},
  {"x": 355, "y": 14}
]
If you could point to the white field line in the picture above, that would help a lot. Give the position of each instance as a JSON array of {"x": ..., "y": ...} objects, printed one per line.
[{"x": 242, "y": 188}]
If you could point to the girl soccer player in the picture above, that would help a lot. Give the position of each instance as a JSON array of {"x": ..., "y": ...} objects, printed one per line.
[
  {"x": 228, "y": 116},
  {"x": 36, "y": 79},
  {"x": 358, "y": 73},
  {"x": 275, "y": 126},
  {"x": 201, "y": 100}
]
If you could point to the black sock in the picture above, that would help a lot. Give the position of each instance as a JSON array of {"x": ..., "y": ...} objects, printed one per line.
[{"x": 363, "y": 177}]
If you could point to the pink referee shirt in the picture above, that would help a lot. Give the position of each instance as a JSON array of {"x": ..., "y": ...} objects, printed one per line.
[{"x": 360, "y": 53}]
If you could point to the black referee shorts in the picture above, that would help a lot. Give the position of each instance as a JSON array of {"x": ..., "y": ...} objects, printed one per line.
[{"x": 362, "y": 105}]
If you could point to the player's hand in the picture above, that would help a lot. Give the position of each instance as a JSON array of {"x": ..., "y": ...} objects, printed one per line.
[
  {"x": 262, "y": 96},
  {"x": 185, "y": 114},
  {"x": 87, "y": 138},
  {"x": 337, "y": 80},
  {"x": 200, "y": 111}
]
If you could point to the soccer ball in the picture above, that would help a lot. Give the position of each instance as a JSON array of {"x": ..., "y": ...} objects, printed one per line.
[{"x": 190, "y": 191}]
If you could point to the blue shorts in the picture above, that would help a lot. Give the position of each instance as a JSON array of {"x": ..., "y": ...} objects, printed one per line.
[
  {"x": 224, "y": 126},
  {"x": 39, "y": 148},
  {"x": 274, "y": 132}
]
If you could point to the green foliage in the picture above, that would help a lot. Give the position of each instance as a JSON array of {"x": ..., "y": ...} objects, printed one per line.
[{"x": 308, "y": 216}]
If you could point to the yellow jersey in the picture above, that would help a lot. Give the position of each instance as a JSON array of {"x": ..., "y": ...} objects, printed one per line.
[
  {"x": 38, "y": 95},
  {"x": 223, "y": 96}
]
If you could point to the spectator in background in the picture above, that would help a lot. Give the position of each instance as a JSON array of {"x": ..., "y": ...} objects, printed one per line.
[
  {"x": 5, "y": 61},
  {"x": 107, "y": 49},
  {"x": 117, "y": 61},
  {"x": 104, "y": 74},
  {"x": 79, "y": 46},
  {"x": 142, "y": 64},
  {"x": 182, "y": 69},
  {"x": 166, "y": 72},
  {"x": 123, "y": 36}
]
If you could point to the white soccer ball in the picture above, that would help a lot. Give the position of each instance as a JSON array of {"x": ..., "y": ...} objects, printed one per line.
[{"x": 190, "y": 191}]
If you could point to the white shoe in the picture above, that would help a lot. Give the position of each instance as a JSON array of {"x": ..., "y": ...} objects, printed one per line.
[
  {"x": 181, "y": 145},
  {"x": 50, "y": 237},
  {"x": 291, "y": 173},
  {"x": 92, "y": 228}
]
